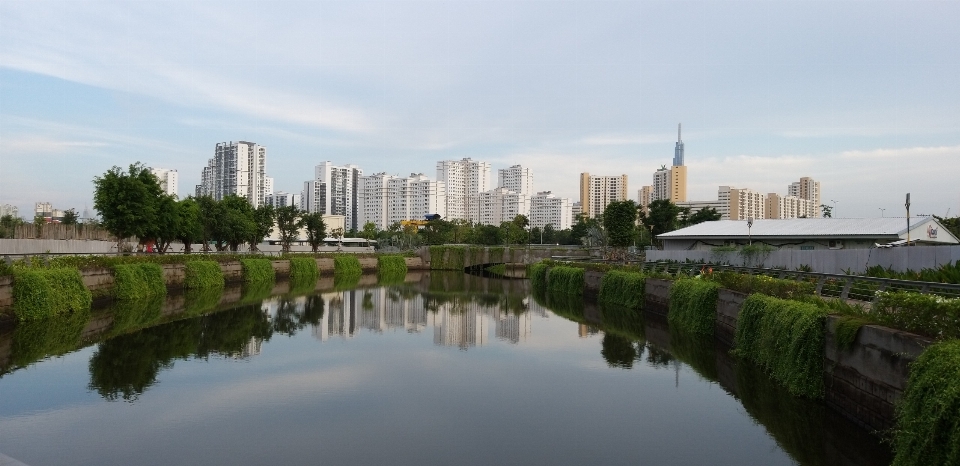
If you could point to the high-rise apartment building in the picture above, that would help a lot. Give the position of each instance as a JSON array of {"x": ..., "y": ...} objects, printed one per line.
[
  {"x": 548, "y": 209},
  {"x": 778, "y": 206},
  {"x": 11, "y": 210},
  {"x": 596, "y": 192},
  {"x": 464, "y": 180},
  {"x": 661, "y": 184},
  {"x": 168, "y": 179},
  {"x": 386, "y": 199},
  {"x": 236, "y": 168},
  {"x": 501, "y": 205},
  {"x": 743, "y": 203},
  {"x": 807, "y": 189},
  {"x": 282, "y": 199},
  {"x": 516, "y": 179},
  {"x": 333, "y": 191},
  {"x": 644, "y": 198}
]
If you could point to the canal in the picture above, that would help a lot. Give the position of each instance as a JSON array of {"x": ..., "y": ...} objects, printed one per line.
[{"x": 445, "y": 368}]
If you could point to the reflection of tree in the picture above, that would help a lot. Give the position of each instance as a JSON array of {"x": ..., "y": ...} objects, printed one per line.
[
  {"x": 127, "y": 365},
  {"x": 658, "y": 357},
  {"x": 618, "y": 351}
]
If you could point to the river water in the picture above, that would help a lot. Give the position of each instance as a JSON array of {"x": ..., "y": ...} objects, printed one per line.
[{"x": 441, "y": 369}]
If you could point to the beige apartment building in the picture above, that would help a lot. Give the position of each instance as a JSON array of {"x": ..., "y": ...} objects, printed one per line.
[
  {"x": 778, "y": 206},
  {"x": 598, "y": 191},
  {"x": 744, "y": 203}
]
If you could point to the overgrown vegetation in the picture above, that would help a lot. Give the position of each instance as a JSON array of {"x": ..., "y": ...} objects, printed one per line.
[
  {"x": 134, "y": 282},
  {"x": 693, "y": 305},
  {"x": 36, "y": 339},
  {"x": 202, "y": 275},
  {"x": 786, "y": 338},
  {"x": 346, "y": 265},
  {"x": 930, "y": 315},
  {"x": 928, "y": 416},
  {"x": 258, "y": 271},
  {"x": 303, "y": 269},
  {"x": 622, "y": 289},
  {"x": 946, "y": 273},
  {"x": 847, "y": 328},
  {"x": 565, "y": 280},
  {"x": 130, "y": 315},
  {"x": 202, "y": 300},
  {"x": 391, "y": 267},
  {"x": 447, "y": 257},
  {"x": 42, "y": 293},
  {"x": 778, "y": 288},
  {"x": 497, "y": 269},
  {"x": 537, "y": 272}
]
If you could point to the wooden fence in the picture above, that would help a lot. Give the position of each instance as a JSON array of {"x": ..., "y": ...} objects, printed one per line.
[{"x": 61, "y": 231}]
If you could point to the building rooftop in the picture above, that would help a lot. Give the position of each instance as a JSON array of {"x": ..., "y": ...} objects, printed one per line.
[{"x": 875, "y": 228}]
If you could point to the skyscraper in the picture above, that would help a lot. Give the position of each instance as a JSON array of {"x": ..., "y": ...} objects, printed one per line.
[
  {"x": 333, "y": 191},
  {"x": 598, "y": 191},
  {"x": 465, "y": 180},
  {"x": 236, "y": 168},
  {"x": 678, "y": 150},
  {"x": 807, "y": 189}
]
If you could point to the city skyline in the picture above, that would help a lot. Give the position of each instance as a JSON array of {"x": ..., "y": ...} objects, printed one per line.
[{"x": 863, "y": 103}]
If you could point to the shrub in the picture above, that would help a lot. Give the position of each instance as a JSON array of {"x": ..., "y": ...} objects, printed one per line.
[
  {"x": 304, "y": 269},
  {"x": 346, "y": 264},
  {"x": 693, "y": 305},
  {"x": 202, "y": 275},
  {"x": 258, "y": 271},
  {"x": 138, "y": 281},
  {"x": 930, "y": 315},
  {"x": 565, "y": 280},
  {"x": 928, "y": 416},
  {"x": 42, "y": 293},
  {"x": 744, "y": 283},
  {"x": 622, "y": 288},
  {"x": 786, "y": 338},
  {"x": 391, "y": 267}
]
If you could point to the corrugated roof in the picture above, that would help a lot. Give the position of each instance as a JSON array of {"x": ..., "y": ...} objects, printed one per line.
[{"x": 891, "y": 227}]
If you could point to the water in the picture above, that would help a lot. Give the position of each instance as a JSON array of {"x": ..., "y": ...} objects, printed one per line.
[{"x": 443, "y": 369}]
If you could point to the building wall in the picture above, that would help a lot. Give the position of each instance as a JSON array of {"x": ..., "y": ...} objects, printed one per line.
[
  {"x": 809, "y": 189},
  {"x": 678, "y": 184},
  {"x": 385, "y": 199},
  {"x": 644, "y": 198},
  {"x": 502, "y": 205},
  {"x": 548, "y": 209},
  {"x": 336, "y": 191},
  {"x": 661, "y": 184},
  {"x": 744, "y": 203},
  {"x": 517, "y": 179},
  {"x": 236, "y": 168},
  {"x": 601, "y": 191},
  {"x": 463, "y": 180},
  {"x": 169, "y": 180}
]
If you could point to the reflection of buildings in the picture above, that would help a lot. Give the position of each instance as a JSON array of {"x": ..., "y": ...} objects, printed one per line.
[{"x": 456, "y": 320}]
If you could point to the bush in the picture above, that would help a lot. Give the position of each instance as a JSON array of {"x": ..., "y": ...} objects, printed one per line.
[
  {"x": 138, "y": 281},
  {"x": 303, "y": 269},
  {"x": 622, "y": 289},
  {"x": 693, "y": 305},
  {"x": 202, "y": 275},
  {"x": 565, "y": 280},
  {"x": 346, "y": 264},
  {"x": 928, "y": 416},
  {"x": 930, "y": 315},
  {"x": 747, "y": 284},
  {"x": 258, "y": 270},
  {"x": 42, "y": 293},
  {"x": 391, "y": 266},
  {"x": 786, "y": 338}
]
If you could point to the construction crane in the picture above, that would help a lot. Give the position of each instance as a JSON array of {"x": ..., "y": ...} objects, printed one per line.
[{"x": 420, "y": 223}]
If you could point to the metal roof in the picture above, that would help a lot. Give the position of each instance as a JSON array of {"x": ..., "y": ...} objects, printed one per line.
[{"x": 888, "y": 227}]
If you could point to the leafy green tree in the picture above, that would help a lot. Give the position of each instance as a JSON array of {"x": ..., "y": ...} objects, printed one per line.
[
  {"x": 437, "y": 232},
  {"x": 620, "y": 222},
  {"x": 167, "y": 225},
  {"x": 952, "y": 224},
  {"x": 69, "y": 217},
  {"x": 127, "y": 201},
  {"x": 827, "y": 210},
  {"x": 316, "y": 229},
  {"x": 263, "y": 218},
  {"x": 580, "y": 229},
  {"x": 8, "y": 223},
  {"x": 211, "y": 214},
  {"x": 369, "y": 231},
  {"x": 237, "y": 225},
  {"x": 707, "y": 214},
  {"x": 289, "y": 221},
  {"x": 662, "y": 217},
  {"x": 189, "y": 224}
]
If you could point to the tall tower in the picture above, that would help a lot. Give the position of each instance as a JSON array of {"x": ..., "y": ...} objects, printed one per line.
[{"x": 678, "y": 150}]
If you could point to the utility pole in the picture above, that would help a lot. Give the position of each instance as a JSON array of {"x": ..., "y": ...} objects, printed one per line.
[
  {"x": 907, "y": 204},
  {"x": 749, "y": 227}
]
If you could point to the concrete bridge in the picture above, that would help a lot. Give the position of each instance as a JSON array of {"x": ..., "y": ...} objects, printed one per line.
[{"x": 460, "y": 256}]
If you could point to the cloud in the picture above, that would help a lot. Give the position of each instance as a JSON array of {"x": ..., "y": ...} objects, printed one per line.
[
  {"x": 37, "y": 144},
  {"x": 908, "y": 154}
]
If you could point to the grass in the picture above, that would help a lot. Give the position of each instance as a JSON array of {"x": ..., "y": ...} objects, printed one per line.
[
  {"x": 622, "y": 289},
  {"x": 747, "y": 284},
  {"x": 537, "y": 272},
  {"x": 304, "y": 269},
  {"x": 346, "y": 264},
  {"x": 785, "y": 338},
  {"x": 391, "y": 269},
  {"x": 565, "y": 280},
  {"x": 258, "y": 271}
]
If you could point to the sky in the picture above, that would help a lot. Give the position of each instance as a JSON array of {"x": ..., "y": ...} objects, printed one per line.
[{"x": 862, "y": 96}]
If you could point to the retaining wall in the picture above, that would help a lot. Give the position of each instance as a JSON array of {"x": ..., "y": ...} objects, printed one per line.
[{"x": 862, "y": 383}]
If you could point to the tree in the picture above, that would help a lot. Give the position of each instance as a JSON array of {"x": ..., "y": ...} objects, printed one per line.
[
  {"x": 827, "y": 210},
  {"x": 369, "y": 231},
  {"x": 189, "y": 224},
  {"x": 211, "y": 214},
  {"x": 167, "y": 225},
  {"x": 9, "y": 223},
  {"x": 661, "y": 218},
  {"x": 620, "y": 221},
  {"x": 237, "y": 225},
  {"x": 951, "y": 224},
  {"x": 707, "y": 214},
  {"x": 127, "y": 201},
  {"x": 337, "y": 234},
  {"x": 316, "y": 229},
  {"x": 263, "y": 218},
  {"x": 289, "y": 221},
  {"x": 69, "y": 217},
  {"x": 579, "y": 231}
]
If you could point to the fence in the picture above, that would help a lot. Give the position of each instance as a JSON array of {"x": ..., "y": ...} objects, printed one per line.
[{"x": 59, "y": 231}]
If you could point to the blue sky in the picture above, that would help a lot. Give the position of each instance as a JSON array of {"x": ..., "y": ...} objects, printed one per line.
[{"x": 861, "y": 95}]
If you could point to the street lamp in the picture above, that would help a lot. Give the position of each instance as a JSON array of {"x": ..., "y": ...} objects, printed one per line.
[
  {"x": 881, "y": 211},
  {"x": 749, "y": 227},
  {"x": 834, "y": 207}
]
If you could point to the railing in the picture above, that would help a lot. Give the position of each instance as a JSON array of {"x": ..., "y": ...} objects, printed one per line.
[{"x": 856, "y": 287}]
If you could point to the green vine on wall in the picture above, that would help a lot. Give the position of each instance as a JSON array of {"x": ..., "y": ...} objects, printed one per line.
[{"x": 693, "y": 305}]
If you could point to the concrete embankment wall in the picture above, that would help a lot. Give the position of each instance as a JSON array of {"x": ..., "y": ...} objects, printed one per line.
[
  {"x": 829, "y": 260},
  {"x": 862, "y": 383},
  {"x": 100, "y": 281}
]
